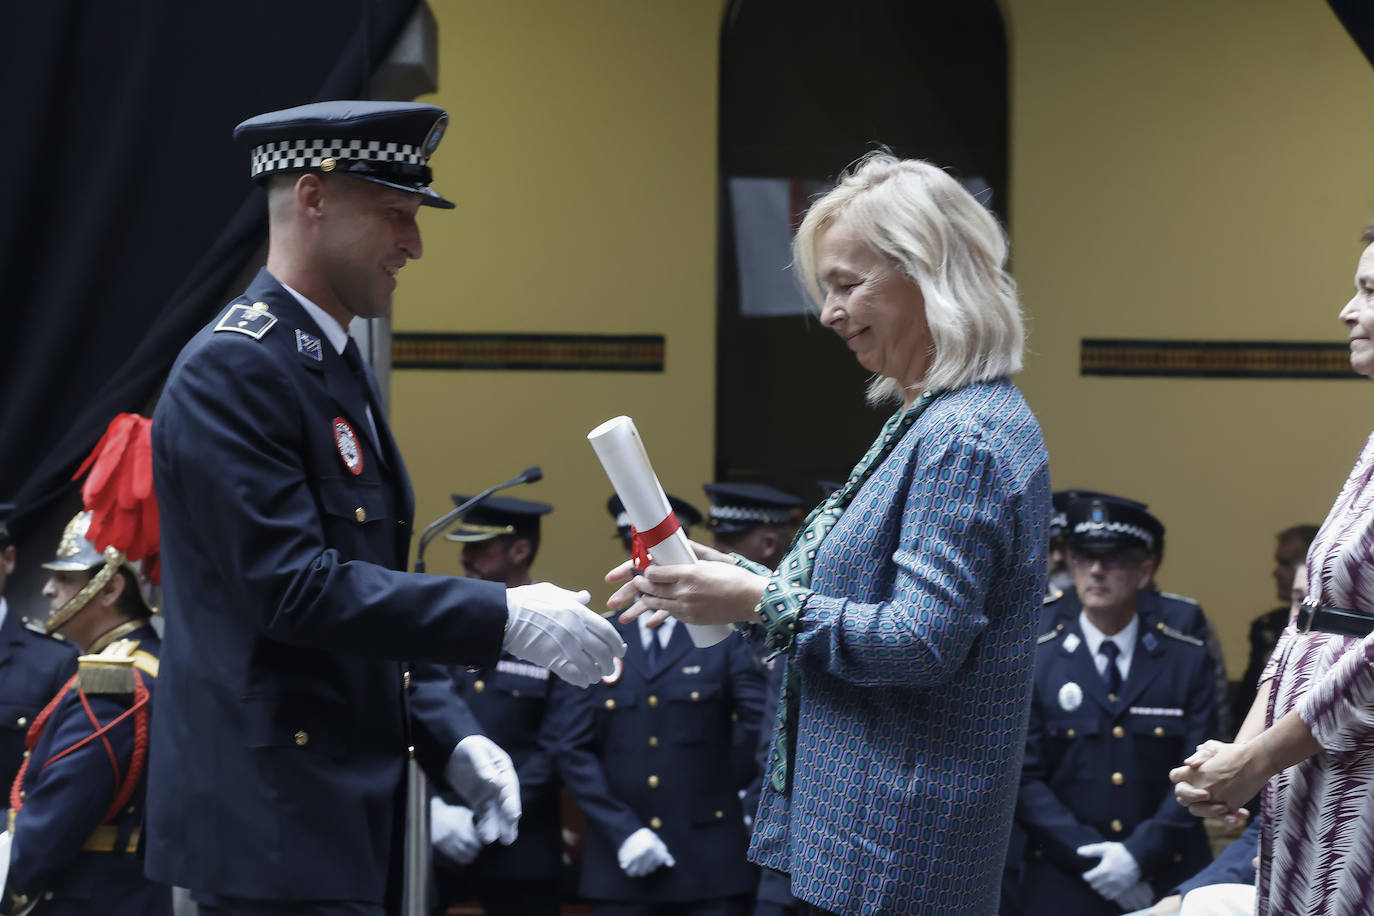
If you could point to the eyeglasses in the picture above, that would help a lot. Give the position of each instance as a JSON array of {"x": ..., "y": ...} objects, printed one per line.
[{"x": 1111, "y": 560}]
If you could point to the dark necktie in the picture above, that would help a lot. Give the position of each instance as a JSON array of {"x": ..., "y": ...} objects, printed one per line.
[
  {"x": 354, "y": 358},
  {"x": 654, "y": 649},
  {"x": 1112, "y": 674}
]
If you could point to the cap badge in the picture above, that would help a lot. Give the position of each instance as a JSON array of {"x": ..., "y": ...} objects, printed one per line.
[
  {"x": 436, "y": 133},
  {"x": 347, "y": 442},
  {"x": 1070, "y": 697},
  {"x": 614, "y": 676},
  {"x": 308, "y": 345},
  {"x": 1098, "y": 517}
]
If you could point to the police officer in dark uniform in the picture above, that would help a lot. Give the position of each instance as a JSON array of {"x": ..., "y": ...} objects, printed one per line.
[
  {"x": 758, "y": 522},
  {"x": 511, "y": 700},
  {"x": 76, "y": 810},
  {"x": 279, "y": 754},
  {"x": 1119, "y": 698},
  {"x": 33, "y": 667},
  {"x": 651, "y": 756}
]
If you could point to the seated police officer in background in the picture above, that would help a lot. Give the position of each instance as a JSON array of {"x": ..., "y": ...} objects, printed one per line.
[
  {"x": 656, "y": 755},
  {"x": 76, "y": 808},
  {"x": 1178, "y": 611},
  {"x": 500, "y": 538},
  {"x": 758, "y": 522},
  {"x": 279, "y": 756},
  {"x": 33, "y": 666},
  {"x": 1119, "y": 697}
]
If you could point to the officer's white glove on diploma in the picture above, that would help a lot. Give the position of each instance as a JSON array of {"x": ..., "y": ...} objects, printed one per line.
[
  {"x": 550, "y": 626},
  {"x": 1136, "y": 897},
  {"x": 1116, "y": 872},
  {"x": 452, "y": 832},
  {"x": 643, "y": 852},
  {"x": 483, "y": 774}
]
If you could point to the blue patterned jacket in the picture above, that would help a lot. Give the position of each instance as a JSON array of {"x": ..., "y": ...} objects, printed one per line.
[{"x": 915, "y": 656}]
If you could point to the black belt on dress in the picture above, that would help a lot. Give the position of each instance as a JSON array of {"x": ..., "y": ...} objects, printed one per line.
[{"x": 1323, "y": 618}]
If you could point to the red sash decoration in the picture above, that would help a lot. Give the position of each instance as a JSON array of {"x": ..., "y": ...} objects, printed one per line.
[{"x": 641, "y": 542}]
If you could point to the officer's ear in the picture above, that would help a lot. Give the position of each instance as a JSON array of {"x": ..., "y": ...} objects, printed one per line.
[
  {"x": 109, "y": 595},
  {"x": 1147, "y": 571},
  {"x": 519, "y": 551},
  {"x": 309, "y": 193}
]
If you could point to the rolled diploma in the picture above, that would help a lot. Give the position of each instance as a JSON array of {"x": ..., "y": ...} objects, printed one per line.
[{"x": 622, "y": 454}]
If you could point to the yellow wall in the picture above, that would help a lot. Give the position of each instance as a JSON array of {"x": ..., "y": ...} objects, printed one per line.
[
  {"x": 581, "y": 154},
  {"x": 1192, "y": 170}
]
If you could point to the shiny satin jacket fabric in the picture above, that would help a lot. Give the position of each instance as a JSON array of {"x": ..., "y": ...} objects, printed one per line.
[
  {"x": 33, "y": 667},
  {"x": 668, "y": 747},
  {"x": 915, "y": 655},
  {"x": 278, "y": 758},
  {"x": 66, "y": 801},
  {"x": 1097, "y": 769}
]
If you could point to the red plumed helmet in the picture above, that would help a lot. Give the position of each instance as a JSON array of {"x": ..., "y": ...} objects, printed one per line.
[{"x": 119, "y": 492}]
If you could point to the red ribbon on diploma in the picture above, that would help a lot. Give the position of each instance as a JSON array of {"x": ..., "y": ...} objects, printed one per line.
[{"x": 641, "y": 542}]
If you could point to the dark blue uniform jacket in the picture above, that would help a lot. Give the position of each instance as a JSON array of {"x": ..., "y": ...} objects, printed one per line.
[
  {"x": 280, "y": 748},
  {"x": 62, "y": 844},
  {"x": 1098, "y": 770},
  {"x": 32, "y": 669},
  {"x": 667, "y": 748}
]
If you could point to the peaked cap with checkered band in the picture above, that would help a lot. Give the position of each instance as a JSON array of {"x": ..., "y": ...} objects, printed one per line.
[{"x": 388, "y": 143}]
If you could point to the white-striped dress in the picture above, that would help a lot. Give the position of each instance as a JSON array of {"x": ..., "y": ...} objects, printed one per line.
[{"x": 1317, "y": 846}]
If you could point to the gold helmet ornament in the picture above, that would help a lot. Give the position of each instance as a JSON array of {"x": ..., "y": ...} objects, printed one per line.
[{"x": 119, "y": 526}]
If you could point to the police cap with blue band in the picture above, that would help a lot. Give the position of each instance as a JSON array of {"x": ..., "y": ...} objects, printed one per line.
[
  {"x": 1061, "y": 499},
  {"x": 740, "y": 507},
  {"x": 387, "y": 143},
  {"x": 1108, "y": 523}
]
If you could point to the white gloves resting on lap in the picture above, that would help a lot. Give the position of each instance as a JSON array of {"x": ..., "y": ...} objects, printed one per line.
[{"x": 551, "y": 627}]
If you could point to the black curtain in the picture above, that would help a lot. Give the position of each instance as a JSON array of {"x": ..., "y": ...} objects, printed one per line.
[{"x": 125, "y": 206}]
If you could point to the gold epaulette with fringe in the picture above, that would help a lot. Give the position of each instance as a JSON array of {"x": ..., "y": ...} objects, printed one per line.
[{"x": 109, "y": 671}]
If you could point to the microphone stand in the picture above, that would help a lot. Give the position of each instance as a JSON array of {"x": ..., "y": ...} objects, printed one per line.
[
  {"x": 417, "y": 859},
  {"x": 443, "y": 522}
]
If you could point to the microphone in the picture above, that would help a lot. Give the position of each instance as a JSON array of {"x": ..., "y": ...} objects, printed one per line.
[{"x": 443, "y": 522}]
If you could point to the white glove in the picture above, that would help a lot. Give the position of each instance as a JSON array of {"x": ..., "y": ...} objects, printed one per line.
[
  {"x": 1136, "y": 897},
  {"x": 549, "y": 626},
  {"x": 1115, "y": 873},
  {"x": 451, "y": 831},
  {"x": 483, "y": 774},
  {"x": 642, "y": 852}
]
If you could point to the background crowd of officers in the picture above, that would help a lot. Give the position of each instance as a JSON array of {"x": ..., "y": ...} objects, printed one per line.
[{"x": 637, "y": 792}]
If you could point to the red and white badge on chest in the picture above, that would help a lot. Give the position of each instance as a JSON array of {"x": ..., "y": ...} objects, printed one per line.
[{"x": 349, "y": 449}]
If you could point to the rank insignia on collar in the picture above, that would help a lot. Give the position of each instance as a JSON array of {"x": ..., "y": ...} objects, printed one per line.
[
  {"x": 1071, "y": 642},
  {"x": 308, "y": 345},
  {"x": 247, "y": 319},
  {"x": 349, "y": 449}
]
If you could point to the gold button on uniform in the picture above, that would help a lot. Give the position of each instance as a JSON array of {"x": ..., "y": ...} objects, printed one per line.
[
  {"x": 1118, "y": 779},
  {"x": 515, "y": 693},
  {"x": 695, "y": 696},
  {"x": 301, "y": 738},
  {"x": 1071, "y": 733},
  {"x": 23, "y": 720},
  {"x": 653, "y": 741},
  {"x": 405, "y": 678},
  {"x": 479, "y": 686},
  {"x": 610, "y": 704},
  {"x": 656, "y": 823},
  {"x": 1178, "y": 857},
  {"x": 360, "y": 514},
  {"x": 260, "y": 306},
  {"x": 653, "y": 782},
  {"x": 720, "y": 815},
  {"x": 1117, "y": 826},
  {"x": 1118, "y": 732},
  {"x": 653, "y": 702},
  {"x": 1159, "y": 731}
]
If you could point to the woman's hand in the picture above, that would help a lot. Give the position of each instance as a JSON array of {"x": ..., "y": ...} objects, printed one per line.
[
  {"x": 711, "y": 591},
  {"x": 1218, "y": 778}
]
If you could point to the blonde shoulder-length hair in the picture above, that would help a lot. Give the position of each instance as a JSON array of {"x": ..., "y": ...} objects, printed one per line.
[{"x": 939, "y": 236}]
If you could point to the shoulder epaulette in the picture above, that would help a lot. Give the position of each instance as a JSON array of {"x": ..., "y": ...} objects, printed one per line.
[
  {"x": 146, "y": 663},
  {"x": 1179, "y": 635},
  {"x": 252, "y": 319},
  {"x": 109, "y": 671},
  {"x": 1184, "y": 598},
  {"x": 1053, "y": 596},
  {"x": 1050, "y": 636}
]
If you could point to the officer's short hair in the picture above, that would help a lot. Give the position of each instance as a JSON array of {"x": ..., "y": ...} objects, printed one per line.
[{"x": 943, "y": 239}]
